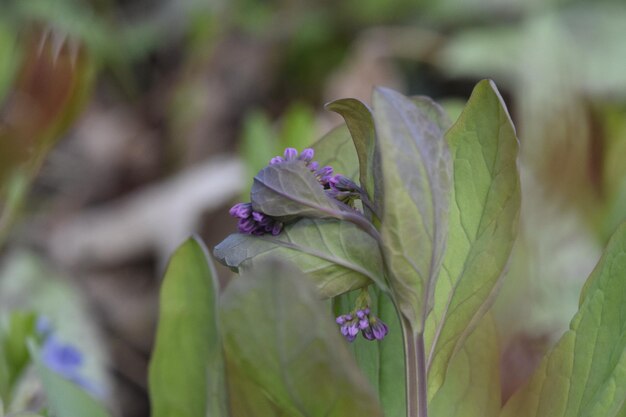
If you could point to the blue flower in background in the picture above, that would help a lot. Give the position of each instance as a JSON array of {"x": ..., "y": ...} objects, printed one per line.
[{"x": 63, "y": 358}]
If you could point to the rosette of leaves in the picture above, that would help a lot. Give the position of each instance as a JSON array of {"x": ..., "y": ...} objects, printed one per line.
[
  {"x": 432, "y": 239},
  {"x": 426, "y": 245}
]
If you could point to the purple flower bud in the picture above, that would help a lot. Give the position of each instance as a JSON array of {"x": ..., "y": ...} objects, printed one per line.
[
  {"x": 277, "y": 228},
  {"x": 364, "y": 324},
  {"x": 241, "y": 210},
  {"x": 307, "y": 155},
  {"x": 259, "y": 217},
  {"x": 340, "y": 319},
  {"x": 291, "y": 154},
  {"x": 246, "y": 225},
  {"x": 367, "y": 333},
  {"x": 361, "y": 314},
  {"x": 325, "y": 172},
  {"x": 379, "y": 329},
  {"x": 313, "y": 166},
  {"x": 342, "y": 183},
  {"x": 276, "y": 160},
  {"x": 367, "y": 311}
]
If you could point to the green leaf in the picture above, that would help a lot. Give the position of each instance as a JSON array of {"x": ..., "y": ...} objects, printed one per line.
[
  {"x": 278, "y": 336},
  {"x": 14, "y": 349},
  {"x": 186, "y": 373},
  {"x": 337, "y": 256},
  {"x": 66, "y": 399},
  {"x": 585, "y": 373},
  {"x": 361, "y": 125},
  {"x": 381, "y": 362},
  {"x": 482, "y": 225},
  {"x": 336, "y": 149},
  {"x": 472, "y": 387},
  {"x": 290, "y": 189},
  {"x": 433, "y": 110},
  {"x": 416, "y": 171}
]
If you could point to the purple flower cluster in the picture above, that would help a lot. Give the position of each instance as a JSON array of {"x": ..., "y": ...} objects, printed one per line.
[
  {"x": 371, "y": 327},
  {"x": 253, "y": 222},
  {"x": 337, "y": 186},
  {"x": 323, "y": 174}
]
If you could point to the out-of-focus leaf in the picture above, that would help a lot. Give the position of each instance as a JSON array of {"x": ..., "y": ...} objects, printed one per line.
[
  {"x": 66, "y": 399},
  {"x": 336, "y": 149},
  {"x": 472, "y": 386},
  {"x": 187, "y": 371},
  {"x": 381, "y": 362},
  {"x": 14, "y": 192},
  {"x": 416, "y": 170},
  {"x": 361, "y": 125},
  {"x": 20, "y": 327},
  {"x": 27, "y": 282},
  {"x": 9, "y": 57},
  {"x": 298, "y": 127},
  {"x": 483, "y": 222},
  {"x": 50, "y": 89},
  {"x": 585, "y": 373},
  {"x": 258, "y": 143},
  {"x": 278, "y": 336},
  {"x": 336, "y": 255},
  {"x": 290, "y": 189},
  {"x": 613, "y": 120}
]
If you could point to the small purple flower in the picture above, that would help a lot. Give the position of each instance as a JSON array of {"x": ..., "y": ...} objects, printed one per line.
[
  {"x": 372, "y": 328},
  {"x": 276, "y": 160}
]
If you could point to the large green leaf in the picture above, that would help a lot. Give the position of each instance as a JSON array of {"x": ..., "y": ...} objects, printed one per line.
[
  {"x": 482, "y": 225},
  {"x": 472, "y": 387},
  {"x": 361, "y": 125},
  {"x": 416, "y": 170},
  {"x": 186, "y": 371},
  {"x": 585, "y": 373},
  {"x": 66, "y": 399},
  {"x": 279, "y": 337},
  {"x": 336, "y": 255},
  {"x": 382, "y": 362}
]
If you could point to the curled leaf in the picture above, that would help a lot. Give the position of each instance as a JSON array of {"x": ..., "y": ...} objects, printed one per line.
[{"x": 336, "y": 255}]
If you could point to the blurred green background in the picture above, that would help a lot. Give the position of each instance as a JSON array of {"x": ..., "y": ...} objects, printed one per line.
[{"x": 126, "y": 125}]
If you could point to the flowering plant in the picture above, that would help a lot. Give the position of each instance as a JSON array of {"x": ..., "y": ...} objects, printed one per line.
[{"x": 405, "y": 222}]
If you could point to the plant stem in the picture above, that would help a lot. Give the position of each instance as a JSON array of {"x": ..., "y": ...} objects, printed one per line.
[
  {"x": 421, "y": 375},
  {"x": 411, "y": 365},
  {"x": 415, "y": 362}
]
